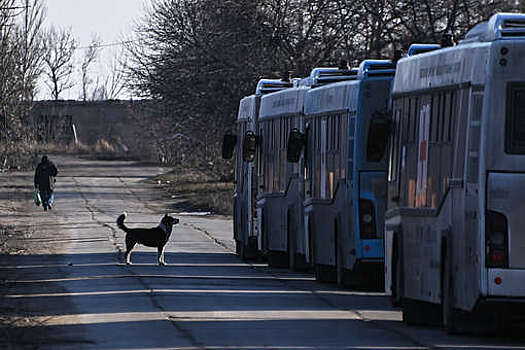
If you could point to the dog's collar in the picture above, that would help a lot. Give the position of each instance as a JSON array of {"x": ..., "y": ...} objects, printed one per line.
[{"x": 163, "y": 227}]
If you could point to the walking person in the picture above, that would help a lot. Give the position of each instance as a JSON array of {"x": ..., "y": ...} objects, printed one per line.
[{"x": 45, "y": 180}]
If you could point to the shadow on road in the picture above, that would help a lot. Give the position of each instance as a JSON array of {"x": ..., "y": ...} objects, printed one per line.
[{"x": 212, "y": 296}]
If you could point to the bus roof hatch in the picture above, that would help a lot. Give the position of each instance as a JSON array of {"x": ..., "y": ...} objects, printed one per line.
[
  {"x": 266, "y": 86},
  {"x": 323, "y": 76},
  {"x": 500, "y": 26},
  {"x": 369, "y": 68},
  {"x": 416, "y": 49}
]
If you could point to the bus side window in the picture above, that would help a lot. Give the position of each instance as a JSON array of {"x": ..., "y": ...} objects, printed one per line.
[
  {"x": 474, "y": 138},
  {"x": 308, "y": 159},
  {"x": 515, "y": 122},
  {"x": 397, "y": 144},
  {"x": 259, "y": 155},
  {"x": 407, "y": 107},
  {"x": 433, "y": 118},
  {"x": 392, "y": 141},
  {"x": 343, "y": 144},
  {"x": 351, "y": 147}
]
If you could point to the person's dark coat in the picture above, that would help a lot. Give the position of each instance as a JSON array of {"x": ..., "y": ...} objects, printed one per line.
[{"x": 45, "y": 175}]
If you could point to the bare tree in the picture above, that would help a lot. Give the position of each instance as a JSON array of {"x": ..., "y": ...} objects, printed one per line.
[
  {"x": 59, "y": 48},
  {"x": 31, "y": 35},
  {"x": 387, "y": 25},
  {"x": 113, "y": 84},
  {"x": 197, "y": 58},
  {"x": 89, "y": 58},
  {"x": 20, "y": 68}
]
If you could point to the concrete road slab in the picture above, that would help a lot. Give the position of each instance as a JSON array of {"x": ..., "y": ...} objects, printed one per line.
[{"x": 70, "y": 281}]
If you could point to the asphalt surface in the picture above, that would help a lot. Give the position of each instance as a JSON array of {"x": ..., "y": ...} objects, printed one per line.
[{"x": 72, "y": 290}]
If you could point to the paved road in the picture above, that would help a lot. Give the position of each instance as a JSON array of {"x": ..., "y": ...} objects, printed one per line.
[{"x": 74, "y": 283}]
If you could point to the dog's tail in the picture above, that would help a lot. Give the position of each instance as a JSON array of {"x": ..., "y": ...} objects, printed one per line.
[{"x": 120, "y": 222}]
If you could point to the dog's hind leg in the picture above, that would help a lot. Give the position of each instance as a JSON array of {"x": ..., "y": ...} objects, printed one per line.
[
  {"x": 130, "y": 244},
  {"x": 161, "y": 256}
]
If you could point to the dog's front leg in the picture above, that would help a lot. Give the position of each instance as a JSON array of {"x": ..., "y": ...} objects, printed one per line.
[
  {"x": 130, "y": 244},
  {"x": 128, "y": 257},
  {"x": 161, "y": 256}
]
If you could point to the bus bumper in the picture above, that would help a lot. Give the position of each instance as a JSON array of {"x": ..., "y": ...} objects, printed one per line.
[
  {"x": 506, "y": 283},
  {"x": 367, "y": 273}
]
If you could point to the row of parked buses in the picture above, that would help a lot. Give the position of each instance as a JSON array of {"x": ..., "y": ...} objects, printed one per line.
[{"x": 409, "y": 174}]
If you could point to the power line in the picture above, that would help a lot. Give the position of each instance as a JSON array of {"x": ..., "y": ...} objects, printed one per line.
[
  {"x": 14, "y": 8},
  {"x": 118, "y": 43}
]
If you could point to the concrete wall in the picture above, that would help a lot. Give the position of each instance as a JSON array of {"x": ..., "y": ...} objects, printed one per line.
[{"x": 109, "y": 120}]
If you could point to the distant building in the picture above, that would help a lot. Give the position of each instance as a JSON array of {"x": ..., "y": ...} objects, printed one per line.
[{"x": 113, "y": 121}]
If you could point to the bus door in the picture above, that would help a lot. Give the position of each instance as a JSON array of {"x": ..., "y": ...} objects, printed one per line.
[
  {"x": 371, "y": 210},
  {"x": 469, "y": 274}
]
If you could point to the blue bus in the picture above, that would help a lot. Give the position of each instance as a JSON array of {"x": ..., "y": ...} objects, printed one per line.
[
  {"x": 281, "y": 183},
  {"x": 345, "y": 133}
]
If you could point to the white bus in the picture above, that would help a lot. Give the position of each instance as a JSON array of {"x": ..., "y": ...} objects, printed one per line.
[
  {"x": 245, "y": 143},
  {"x": 455, "y": 221}
]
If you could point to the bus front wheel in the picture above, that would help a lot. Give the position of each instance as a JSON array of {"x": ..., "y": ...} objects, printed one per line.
[{"x": 447, "y": 307}]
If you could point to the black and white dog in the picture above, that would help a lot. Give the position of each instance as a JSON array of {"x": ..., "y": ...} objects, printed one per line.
[{"x": 156, "y": 237}]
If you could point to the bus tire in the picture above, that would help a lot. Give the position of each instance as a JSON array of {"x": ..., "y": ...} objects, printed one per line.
[
  {"x": 453, "y": 321},
  {"x": 338, "y": 255},
  {"x": 410, "y": 312},
  {"x": 278, "y": 259},
  {"x": 416, "y": 312},
  {"x": 290, "y": 239},
  {"x": 238, "y": 248},
  {"x": 250, "y": 250},
  {"x": 319, "y": 276},
  {"x": 447, "y": 307},
  {"x": 301, "y": 265},
  {"x": 397, "y": 276},
  {"x": 325, "y": 273}
]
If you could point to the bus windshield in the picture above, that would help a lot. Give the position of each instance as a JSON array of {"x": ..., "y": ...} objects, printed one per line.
[{"x": 377, "y": 139}]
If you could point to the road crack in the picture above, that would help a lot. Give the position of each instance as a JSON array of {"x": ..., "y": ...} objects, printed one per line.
[
  {"x": 290, "y": 286},
  {"x": 112, "y": 236},
  {"x": 93, "y": 210}
]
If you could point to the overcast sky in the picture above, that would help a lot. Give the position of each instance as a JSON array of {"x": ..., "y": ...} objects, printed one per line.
[{"x": 110, "y": 20}]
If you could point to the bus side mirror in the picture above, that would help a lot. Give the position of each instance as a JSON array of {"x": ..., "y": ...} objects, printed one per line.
[
  {"x": 249, "y": 147},
  {"x": 228, "y": 145},
  {"x": 296, "y": 142}
]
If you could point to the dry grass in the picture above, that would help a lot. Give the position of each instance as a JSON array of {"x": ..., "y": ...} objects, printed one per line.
[
  {"x": 194, "y": 190},
  {"x": 72, "y": 148},
  {"x": 102, "y": 148},
  {"x": 26, "y": 156},
  {"x": 13, "y": 240}
]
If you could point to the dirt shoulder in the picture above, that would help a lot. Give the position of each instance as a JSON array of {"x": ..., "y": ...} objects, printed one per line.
[
  {"x": 196, "y": 191},
  {"x": 22, "y": 232}
]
